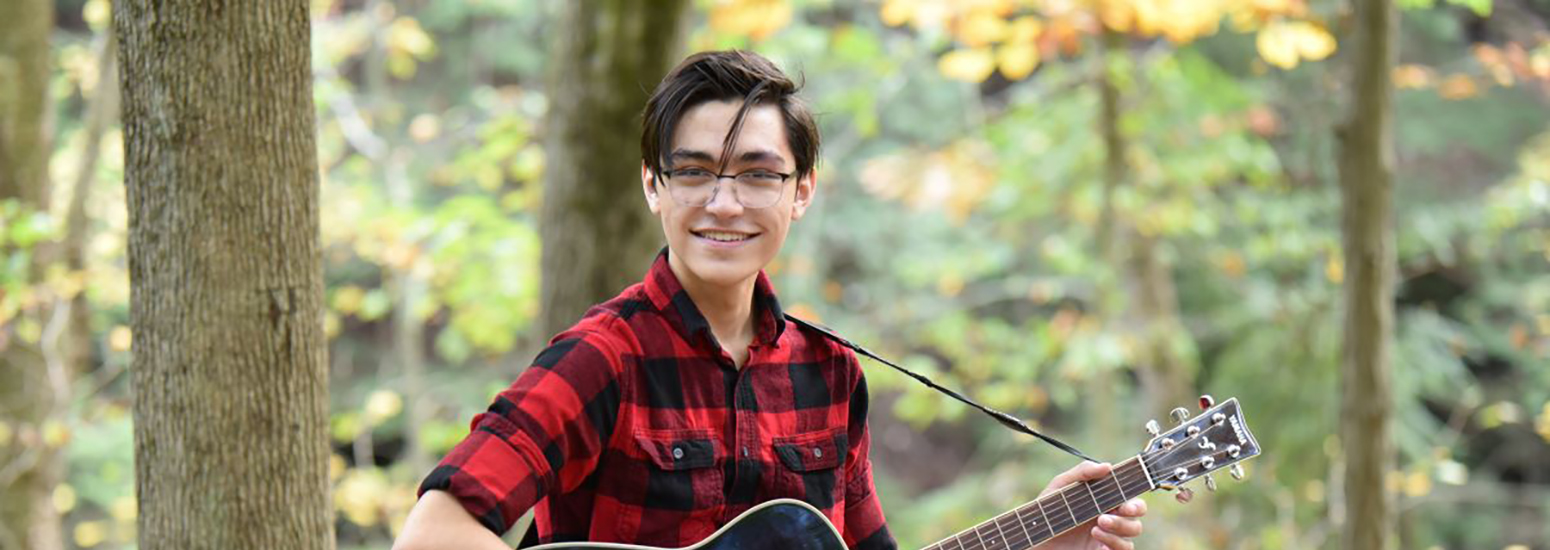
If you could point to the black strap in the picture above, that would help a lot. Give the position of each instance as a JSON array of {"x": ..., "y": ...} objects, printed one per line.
[{"x": 1005, "y": 419}]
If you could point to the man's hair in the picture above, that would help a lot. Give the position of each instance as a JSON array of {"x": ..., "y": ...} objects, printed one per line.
[{"x": 726, "y": 76}]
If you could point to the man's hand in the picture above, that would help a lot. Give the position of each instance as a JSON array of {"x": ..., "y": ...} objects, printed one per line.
[{"x": 1111, "y": 531}]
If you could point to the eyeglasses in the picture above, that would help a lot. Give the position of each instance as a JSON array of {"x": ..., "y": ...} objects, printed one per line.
[{"x": 695, "y": 187}]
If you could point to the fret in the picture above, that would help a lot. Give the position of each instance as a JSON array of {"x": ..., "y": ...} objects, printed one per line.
[
  {"x": 993, "y": 536},
  {"x": 1074, "y": 521},
  {"x": 1020, "y": 523},
  {"x": 1089, "y": 486},
  {"x": 1117, "y": 485}
]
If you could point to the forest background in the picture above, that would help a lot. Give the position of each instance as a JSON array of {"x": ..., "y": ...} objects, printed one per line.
[{"x": 973, "y": 221}]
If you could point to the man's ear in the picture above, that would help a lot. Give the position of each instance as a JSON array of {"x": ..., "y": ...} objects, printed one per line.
[
  {"x": 807, "y": 186},
  {"x": 648, "y": 183}
]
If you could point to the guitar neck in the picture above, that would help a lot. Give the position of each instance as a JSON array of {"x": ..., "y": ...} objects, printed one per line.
[{"x": 1049, "y": 516}]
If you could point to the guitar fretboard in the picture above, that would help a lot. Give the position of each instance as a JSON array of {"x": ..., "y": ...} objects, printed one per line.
[{"x": 1055, "y": 513}]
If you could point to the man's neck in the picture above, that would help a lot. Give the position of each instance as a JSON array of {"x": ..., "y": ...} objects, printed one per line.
[{"x": 727, "y": 309}]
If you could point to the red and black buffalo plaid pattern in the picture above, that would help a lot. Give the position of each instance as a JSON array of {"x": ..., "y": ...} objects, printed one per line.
[{"x": 633, "y": 426}]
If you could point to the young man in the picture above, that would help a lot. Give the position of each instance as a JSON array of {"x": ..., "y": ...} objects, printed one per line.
[{"x": 688, "y": 399}]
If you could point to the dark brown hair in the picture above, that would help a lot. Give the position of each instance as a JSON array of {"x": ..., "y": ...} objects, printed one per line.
[{"x": 726, "y": 76}]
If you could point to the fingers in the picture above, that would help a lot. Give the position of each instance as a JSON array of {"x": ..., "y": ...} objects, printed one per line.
[
  {"x": 1135, "y": 508},
  {"x": 1111, "y": 540},
  {"x": 1085, "y": 471},
  {"x": 1120, "y": 526}
]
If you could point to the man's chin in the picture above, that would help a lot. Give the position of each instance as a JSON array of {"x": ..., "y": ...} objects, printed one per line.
[{"x": 722, "y": 272}]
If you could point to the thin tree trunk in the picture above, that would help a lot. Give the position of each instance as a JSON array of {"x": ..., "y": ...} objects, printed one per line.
[
  {"x": 598, "y": 236},
  {"x": 1366, "y": 173},
  {"x": 229, "y": 372},
  {"x": 1162, "y": 367},
  {"x": 28, "y": 463},
  {"x": 100, "y": 112}
]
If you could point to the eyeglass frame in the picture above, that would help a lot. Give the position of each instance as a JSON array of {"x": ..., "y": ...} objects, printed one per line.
[{"x": 667, "y": 176}]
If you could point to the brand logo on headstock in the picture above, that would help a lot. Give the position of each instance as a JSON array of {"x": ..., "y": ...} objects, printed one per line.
[{"x": 1237, "y": 429}]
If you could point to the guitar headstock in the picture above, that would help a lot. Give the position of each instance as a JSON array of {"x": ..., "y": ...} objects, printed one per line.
[{"x": 1217, "y": 438}]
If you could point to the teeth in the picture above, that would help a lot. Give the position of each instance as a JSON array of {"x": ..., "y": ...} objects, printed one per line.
[{"x": 723, "y": 237}]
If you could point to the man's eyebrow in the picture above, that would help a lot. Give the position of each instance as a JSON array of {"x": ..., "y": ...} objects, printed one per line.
[
  {"x": 690, "y": 154},
  {"x": 759, "y": 155}
]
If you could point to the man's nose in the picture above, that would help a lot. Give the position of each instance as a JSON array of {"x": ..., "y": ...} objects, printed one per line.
[{"x": 723, "y": 200}]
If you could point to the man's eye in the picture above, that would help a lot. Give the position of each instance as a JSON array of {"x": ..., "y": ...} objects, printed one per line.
[
  {"x": 759, "y": 176},
  {"x": 692, "y": 173}
]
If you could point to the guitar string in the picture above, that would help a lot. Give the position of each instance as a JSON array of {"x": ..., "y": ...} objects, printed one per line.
[
  {"x": 1107, "y": 493},
  {"x": 1143, "y": 459}
]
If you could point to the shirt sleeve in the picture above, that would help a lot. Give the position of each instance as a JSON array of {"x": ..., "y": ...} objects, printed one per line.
[
  {"x": 865, "y": 528},
  {"x": 543, "y": 435}
]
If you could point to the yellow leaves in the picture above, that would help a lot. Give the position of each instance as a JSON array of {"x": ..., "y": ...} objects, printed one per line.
[
  {"x": 1286, "y": 43},
  {"x": 367, "y": 497},
  {"x": 755, "y": 19},
  {"x": 90, "y": 533},
  {"x": 359, "y": 494},
  {"x": 1180, "y": 21},
  {"x": 1457, "y": 87},
  {"x": 120, "y": 338},
  {"x": 1499, "y": 413},
  {"x": 64, "y": 498},
  {"x": 98, "y": 14},
  {"x": 981, "y": 28},
  {"x": 971, "y": 65},
  {"x": 1017, "y": 61},
  {"x": 955, "y": 179},
  {"x": 1334, "y": 268},
  {"x": 1413, "y": 77},
  {"x": 407, "y": 43},
  {"x": 382, "y": 405}
]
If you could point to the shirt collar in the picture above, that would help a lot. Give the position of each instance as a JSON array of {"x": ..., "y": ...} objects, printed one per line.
[{"x": 668, "y": 296}]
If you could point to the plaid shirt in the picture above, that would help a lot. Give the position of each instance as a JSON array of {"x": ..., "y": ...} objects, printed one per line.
[{"x": 634, "y": 426}]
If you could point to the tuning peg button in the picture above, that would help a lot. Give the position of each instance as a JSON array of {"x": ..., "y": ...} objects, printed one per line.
[
  {"x": 1236, "y": 471},
  {"x": 1206, "y": 402},
  {"x": 1210, "y": 483},
  {"x": 1179, "y": 414},
  {"x": 1152, "y": 428},
  {"x": 1184, "y": 495}
]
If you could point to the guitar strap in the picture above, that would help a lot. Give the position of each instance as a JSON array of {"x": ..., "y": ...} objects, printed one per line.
[{"x": 1005, "y": 419}]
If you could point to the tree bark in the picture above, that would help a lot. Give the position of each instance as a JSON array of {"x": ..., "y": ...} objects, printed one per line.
[
  {"x": 226, "y": 303},
  {"x": 28, "y": 397},
  {"x": 1366, "y": 174},
  {"x": 597, "y": 234}
]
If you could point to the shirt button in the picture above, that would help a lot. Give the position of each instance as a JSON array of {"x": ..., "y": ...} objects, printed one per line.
[
  {"x": 678, "y": 452},
  {"x": 745, "y": 452},
  {"x": 817, "y": 452}
]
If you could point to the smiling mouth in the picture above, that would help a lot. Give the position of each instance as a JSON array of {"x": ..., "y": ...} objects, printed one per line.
[{"x": 724, "y": 236}]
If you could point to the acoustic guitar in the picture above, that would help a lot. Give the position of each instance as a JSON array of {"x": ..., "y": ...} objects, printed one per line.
[{"x": 1217, "y": 438}]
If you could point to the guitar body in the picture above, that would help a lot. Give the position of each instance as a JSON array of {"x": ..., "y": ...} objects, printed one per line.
[{"x": 783, "y": 524}]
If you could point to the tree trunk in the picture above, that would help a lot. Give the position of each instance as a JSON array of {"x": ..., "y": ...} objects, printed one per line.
[
  {"x": 598, "y": 236},
  {"x": 1161, "y": 366},
  {"x": 229, "y": 371},
  {"x": 1366, "y": 171},
  {"x": 28, "y": 460}
]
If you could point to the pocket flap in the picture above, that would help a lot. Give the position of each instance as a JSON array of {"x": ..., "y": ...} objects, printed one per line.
[
  {"x": 813, "y": 451},
  {"x": 679, "y": 449}
]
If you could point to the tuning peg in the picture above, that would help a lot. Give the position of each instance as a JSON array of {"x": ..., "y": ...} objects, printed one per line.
[
  {"x": 1152, "y": 428},
  {"x": 1184, "y": 495},
  {"x": 1210, "y": 483},
  {"x": 1179, "y": 414},
  {"x": 1206, "y": 402},
  {"x": 1237, "y": 471}
]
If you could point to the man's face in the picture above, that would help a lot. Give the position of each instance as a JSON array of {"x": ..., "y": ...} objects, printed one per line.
[{"x": 724, "y": 243}]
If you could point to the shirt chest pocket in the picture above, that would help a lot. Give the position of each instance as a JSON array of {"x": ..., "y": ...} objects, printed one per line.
[
  {"x": 811, "y": 466},
  {"x": 680, "y": 468}
]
